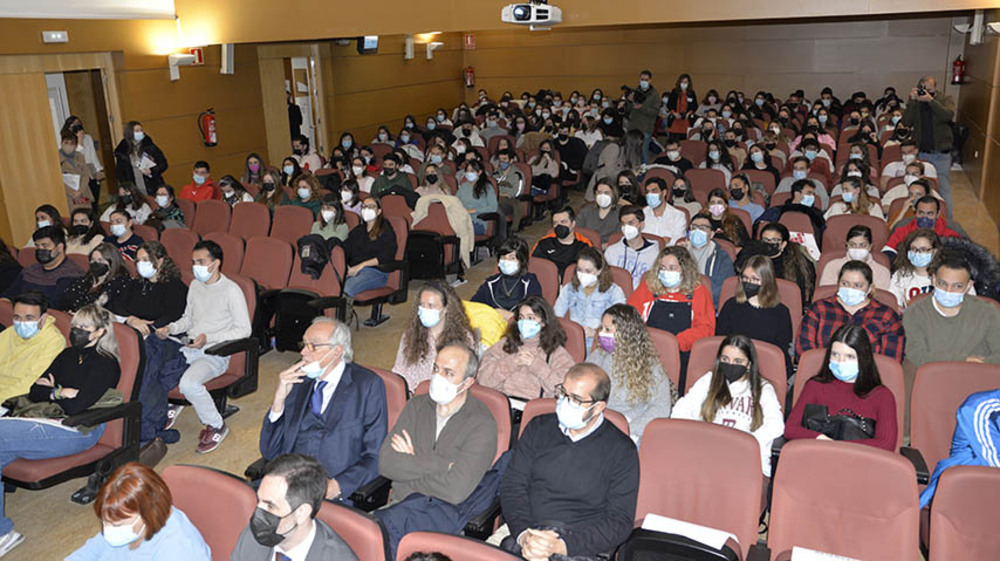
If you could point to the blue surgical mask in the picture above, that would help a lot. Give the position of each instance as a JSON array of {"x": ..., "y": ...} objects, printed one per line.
[
  {"x": 201, "y": 272},
  {"x": 347, "y": 143},
  {"x": 145, "y": 269},
  {"x": 811, "y": 154},
  {"x": 848, "y": 197},
  {"x": 608, "y": 120},
  {"x": 429, "y": 317},
  {"x": 925, "y": 222},
  {"x": 471, "y": 176},
  {"x": 851, "y": 296},
  {"x": 759, "y": 102},
  {"x": 508, "y": 267},
  {"x": 757, "y": 157},
  {"x": 528, "y": 328},
  {"x": 138, "y": 136},
  {"x": 643, "y": 84},
  {"x": 199, "y": 179},
  {"x": 669, "y": 279},
  {"x": 288, "y": 170},
  {"x": 895, "y": 119},
  {"x": 653, "y": 199},
  {"x": 504, "y": 165},
  {"x": 118, "y": 230},
  {"x": 698, "y": 238},
  {"x": 26, "y": 329},
  {"x": 845, "y": 371},
  {"x": 808, "y": 200},
  {"x": 436, "y": 159},
  {"x": 799, "y": 174},
  {"x": 919, "y": 259},
  {"x": 570, "y": 415},
  {"x": 948, "y": 299},
  {"x": 431, "y": 126}
]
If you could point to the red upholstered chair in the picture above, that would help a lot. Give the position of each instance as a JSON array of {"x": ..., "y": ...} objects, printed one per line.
[
  {"x": 269, "y": 262},
  {"x": 496, "y": 402},
  {"x": 232, "y": 251},
  {"x": 291, "y": 222},
  {"x": 147, "y": 233},
  {"x": 576, "y": 339},
  {"x": 212, "y": 216},
  {"x": 396, "y": 393},
  {"x": 831, "y": 253},
  {"x": 771, "y": 363},
  {"x": 545, "y": 405},
  {"x": 765, "y": 178},
  {"x": 670, "y": 354},
  {"x": 837, "y": 227},
  {"x": 304, "y": 294},
  {"x": 436, "y": 229},
  {"x": 26, "y": 257},
  {"x": 882, "y": 296},
  {"x": 250, "y": 220},
  {"x": 395, "y": 290},
  {"x": 456, "y": 548},
  {"x": 964, "y": 513},
  {"x": 179, "y": 244},
  {"x": 190, "y": 210},
  {"x": 621, "y": 277},
  {"x": 548, "y": 277},
  {"x": 362, "y": 531},
  {"x": 592, "y": 235},
  {"x": 219, "y": 504},
  {"x": 81, "y": 260}
]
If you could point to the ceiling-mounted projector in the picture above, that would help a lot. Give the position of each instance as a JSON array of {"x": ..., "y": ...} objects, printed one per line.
[{"x": 537, "y": 14}]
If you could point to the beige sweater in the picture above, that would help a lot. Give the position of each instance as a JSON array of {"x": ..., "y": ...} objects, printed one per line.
[
  {"x": 458, "y": 217},
  {"x": 501, "y": 371}
]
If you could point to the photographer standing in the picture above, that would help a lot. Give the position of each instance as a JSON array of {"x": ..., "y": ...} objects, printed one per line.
[
  {"x": 642, "y": 108},
  {"x": 929, "y": 113}
]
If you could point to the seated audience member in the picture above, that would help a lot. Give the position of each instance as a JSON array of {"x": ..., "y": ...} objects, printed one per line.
[
  {"x": 974, "y": 440},
  {"x": 103, "y": 284},
  {"x": 854, "y": 304},
  {"x": 253, "y": 170},
  {"x": 216, "y": 312},
  {"x": 76, "y": 173},
  {"x": 53, "y": 273},
  {"x": 330, "y": 223},
  {"x": 307, "y": 193},
  {"x": 477, "y": 194},
  {"x": 800, "y": 171},
  {"x": 508, "y": 288},
  {"x": 369, "y": 245},
  {"x": 859, "y": 248},
  {"x": 511, "y": 185},
  {"x": 438, "y": 451},
  {"x": 718, "y": 158},
  {"x": 391, "y": 178},
  {"x": 233, "y": 192},
  {"x": 307, "y": 158},
  {"x": 329, "y": 408},
  {"x": 757, "y": 311},
  {"x": 682, "y": 197},
  {"x": 589, "y": 133},
  {"x": 628, "y": 186},
  {"x": 289, "y": 171},
  {"x": 132, "y": 201},
  {"x": 122, "y": 237},
  {"x": 167, "y": 213},
  {"x": 47, "y": 215},
  {"x": 848, "y": 385},
  {"x": 672, "y": 158},
  {"x": 572, "y": 150},
  {"x": 909, "y": 151},
  {"x": 713, "y": 261},
  {"x": 349, "y": 196},
  {"x": 912, "y": 278},
  {"x": 270, "y": 195},
  {"x": 9, "y": 267},
  {"x": 437, "y": 319},
  {"x": 573, "y": 480},
  {"x": 914, "y": 192},
  {"x": 85, "y": 232},
  {"x": 532, "y": 358},
  {"x": 660, "y": 218},
  {"x": 640, "y": 389},
  {"x": 727, "y": 225},
  {"x": 674, "y": 299},
  {"x": 759, "y": 160},
  {"x": 28, "y": 347},
  {"x": 854, "y": 200},
  {"x": 633, "y": 252},
  {"x": 544, "y": 168},
  {"x": 928, "y": 215},
  {"x": 591, "y": 291},
  {"x": 134, "y": 507},
  {"x": 905, "y": 190},
  {"x": 802, "y": 200},
  {"x": 564, "y": 243},
  {"x": 359, "y": 173},
  {"x": 436, "y": 157},
  {"x": 952, "y": 325},
  {"x": 432, "y": 182},
  {"x": 77, "y": 378},
  {"x": 202, "y": 188},
  {"x": 157, "y": 297},
  {"x": 789, "y": 258},
  {"x": 741, "y": 197},
  {"x": 860, "y": 171},
  {"x": 735, "y": 394},
  {"x": 602, "y": 216}
]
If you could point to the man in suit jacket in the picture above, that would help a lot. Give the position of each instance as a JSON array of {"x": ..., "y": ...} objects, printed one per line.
[
  {"x": 283, "y": 526},
  {"x": 330, "y": 409}
]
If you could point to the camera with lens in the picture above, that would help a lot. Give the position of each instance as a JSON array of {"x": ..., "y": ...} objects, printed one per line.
[
  {"x": 534, "y": 13},
  {"x": 921, "y": 91},
  {"x": 634, "y": 94}
]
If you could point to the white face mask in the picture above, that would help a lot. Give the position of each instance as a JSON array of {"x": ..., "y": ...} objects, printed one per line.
[
  {"x": 603, "y": 200},
  {"x": 145, "y": 269},
  {"x": 368, "y": 214},
  {"x": 630, "y": 232},
  {"x": 120, "y": 536},
  {"x": 328, "y": 215},
  {"x": 586, "y": 279},
  {"x": 570, "y": 415},
  {"x": 442, "y": 391},
  {"x": 357, "y": 170},
  {"x": 162, "y": 200},
  {"x": 346, "y": 196},
  {"x": 858, "y": 254},
  {"x": 909, "y": 158}
]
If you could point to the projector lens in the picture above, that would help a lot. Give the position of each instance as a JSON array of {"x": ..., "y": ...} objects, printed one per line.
[{"x": 522, "y": 12}]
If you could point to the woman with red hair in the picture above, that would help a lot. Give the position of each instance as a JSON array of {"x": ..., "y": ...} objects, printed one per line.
[{"x": 134, "y": 507}]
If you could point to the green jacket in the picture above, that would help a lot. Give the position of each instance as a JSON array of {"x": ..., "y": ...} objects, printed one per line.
[
  {"x": 943, "y": 108},
  {"x": 644, "y": 118},
  {"x": 383, "y": 183}
]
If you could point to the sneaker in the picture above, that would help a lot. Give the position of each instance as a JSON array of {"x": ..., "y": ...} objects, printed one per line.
[
  {"x": 173, "y": 411},
  {"x": 9, "y": 541},
  {"x": 211, "y": 438}
]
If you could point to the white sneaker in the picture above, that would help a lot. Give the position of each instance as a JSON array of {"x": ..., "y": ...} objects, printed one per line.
[{"x": 9, "y": 541}]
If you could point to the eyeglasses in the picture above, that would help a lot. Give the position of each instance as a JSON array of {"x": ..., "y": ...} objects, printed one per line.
[
  {"x": 312, "y": 346},
  {"x": 751, "y": 280},
  {"x": 561, "y": 393}
]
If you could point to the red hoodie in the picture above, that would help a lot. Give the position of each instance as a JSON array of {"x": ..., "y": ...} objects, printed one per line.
[
  {"x": 940, "y": 228},
  {"x": 702, "y": 311}
]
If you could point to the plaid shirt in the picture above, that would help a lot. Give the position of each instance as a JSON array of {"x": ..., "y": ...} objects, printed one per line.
[{"x": 824, "y": 317}]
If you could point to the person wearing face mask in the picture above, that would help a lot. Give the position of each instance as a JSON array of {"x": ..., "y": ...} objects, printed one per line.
[
  {"x": 590, "y": 133},
  {"x": 492, "y": 126},
  {"x": 641, "y": 112},
  {"x": 859, "y": 248},
  {"x": 369, "y": 244},
  {"x": 734, "y": 394},
  {"x": 544, "y": 169},
  {"x": 327, "y": 407},
  {"x": 139, "y": 160},
  {"x": 848, "y": 383},
  {"x": 438, "y": 319},
  {"x": 611, "y": 124},
  {"x": 927, "y": 215},
  {"x": 122, "y": 236},
  {"x": 727, "y": 225},
  {"x": 711, "y": 102},
  {"x": 48, "y": 215},
  {"x": 53, "y": 273},
  {"x": 330, "y": 224},
  {"x": 572, "y": 152},
  {"x": 732, "y": 144},
  {"x": 952, "y": 324},
  {"x": 307, "y": 193},
  {"x": 590, "y": 291},
  {"x": 854, "y": 304},
  {"x": 911, "y": 277},
  {"x": 929, "y": 113},
  {"x": 76, "y": 173},
  {"x": 660, "y": 217},
  {"x": 467, "y": 130},
  {"x": 740, "y": 197},
  {"x": 513, "y": 283},
  {"x": 391, "y": 179},
  {"x": 233, "y": 192},
  {"x": 800, "y": 171},
  {"x": 216, "y": 312},
  {"x": 131, "y": 201},
  {"x": 85, "y": 232},
  {"x": 713, "y": 261},
  {"x": 789, "y": 258},
  {"x": 201, "y": 188},
  {"x": 348, "y": 145},
  {"x": 29, "y": 345},
  {"x": 634, "y": 253},
  {"x": 270, "y": 194},
  {"x": 897, "y": 168},
  {"x": 913, "y": 188},
  {"x": 756, "y": 311},
  {"x": 673, "y": 160},
  {"x": 803, "y": 200},
  {"x": 290, "y": 171},
  {"x": 253, "y": 170},
  {"x": 602, "y": 215},
  {"x": 811, "y": 150},
  {"x": 103, "y": 284},
  {"x": 157, "y": 296},
  {"x": 477, "y": 195},
  {"x": 383, "y": 137},
  {"x": 9, "y": 267},
  {"x": 548, "y": 518},
  {"x": 759, "y": 159},
  {"x": 718, "y": 158},
  {"x": 433, "y": 183},
  {"x": 441, "y": 446},
  {"x": 436, "y": 157},
  {"x": 532, "y": 358},
  {"x": 167, "y": 214},
  {"x": 512, "y": 188},
  {"x": 854, "y": 200},
  {"x": 563, "y": 244},
  {"x": 682, "y": 196},
  {"x": 859, "y": 170}
]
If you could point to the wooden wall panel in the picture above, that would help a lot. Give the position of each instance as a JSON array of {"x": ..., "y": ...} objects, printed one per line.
[{"x": 275, "y": 112}]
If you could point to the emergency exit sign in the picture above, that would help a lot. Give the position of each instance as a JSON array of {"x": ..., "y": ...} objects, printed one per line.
[{"x": 199, "y": 55}]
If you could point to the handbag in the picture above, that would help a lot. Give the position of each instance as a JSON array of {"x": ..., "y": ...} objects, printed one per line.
[{"x": 845, "y": 425}]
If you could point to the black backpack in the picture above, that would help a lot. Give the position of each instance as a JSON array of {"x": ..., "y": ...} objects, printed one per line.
[{"x": 314, "y": 252}]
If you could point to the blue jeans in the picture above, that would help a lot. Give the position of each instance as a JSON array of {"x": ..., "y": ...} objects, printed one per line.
[
  {"x": 367, "y": 279},
  {"x": 646, "y": 137},
  {"x": 32, "y": 440},
  {"x": 942, "y": 165}
]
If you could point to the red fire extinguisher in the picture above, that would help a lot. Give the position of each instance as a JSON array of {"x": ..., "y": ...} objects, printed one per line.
[
  {"x": 206, "y": 125},
  {"x": 470, "y": 77},
  {"x": 958, "y": 71}
]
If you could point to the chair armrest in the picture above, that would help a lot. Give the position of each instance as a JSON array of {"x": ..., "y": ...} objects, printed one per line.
[
  {"x": 452, "y": 240},
  {"x": 267, "y": 294},
  {"x": 372, "y": 495},
  {"x": 758, "y": 552},
  {"x": 255, "y": 470},
  {"x": 481, "y": 525},
  {"x": 94, "y": 417},
  {"x": 392, "y": 266},
  {"x": 919, "y": 464},
  {"x": 494, "y": 216},
  {"x": 326, "y": 302},
  {"x": 228, "y": 348}
]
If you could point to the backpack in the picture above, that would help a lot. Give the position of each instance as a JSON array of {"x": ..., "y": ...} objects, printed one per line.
[{"x": 314, "y": 252}]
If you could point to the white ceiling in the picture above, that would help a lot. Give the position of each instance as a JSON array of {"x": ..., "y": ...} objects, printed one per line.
[{"x": 87, "y": 9}]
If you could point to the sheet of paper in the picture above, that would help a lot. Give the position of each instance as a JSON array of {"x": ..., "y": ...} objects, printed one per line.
[
  {"x": 3, "y": 411},
  {"x": 72, "y": 180},
  {"x": 803, "y": 554},
  {"x": 517, "y": 404},
  {"x": 146, "y": 162},
  {"x": 702, "y": 534}
]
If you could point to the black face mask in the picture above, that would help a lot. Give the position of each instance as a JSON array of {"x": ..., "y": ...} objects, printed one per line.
[
  {"x": 562, "y": 231},
  {"x": 98, "y": 268},
  {"x": 750, "y": 289},
  {"x": 297, "y": 151},
  {"x": 79, "y": 337},
  {"x": 431, "y": 178},
  {"x": 855, "y": 121},
  {"x": 79, "y": 230},
  {"x": 729, "y": 142},
  {"x": 264, "y": 527},
  {"x": 268, "y": 186},
  {"x": 736, "y": 194},
  {"x": 732, "y": 372},
  {"x": 390, "y": 171},
  {"x": 678, "y": 193},
  {"x": 44, "y": 256},
  {"x": 76, "y": 128},
  {"x": 770, "y": 146},
  {"x": 125, "y": 199},
  {"x": 562, "y": 137},
  {"x": 772, "y": 249}
]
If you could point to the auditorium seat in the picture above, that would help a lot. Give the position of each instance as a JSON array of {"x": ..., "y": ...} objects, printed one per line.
[
  {"x": 456, "y": 548},
  {"x": 770, "y": 359},
  {"x": 291, "y": 222},
  {"x": 576, "y": 339},
  {"x": 250, "y": 220},
  {"x": 232, "y": 251},
  {"x": 395, "y": 290},
  {"x": 268, "y": 261},
  {"x": 212, "y": 216},
  {"x": 548, "y": 277},
  {"x": 964, "y": 513},
  {"x": 179, "y": 243},
  {"x": 669, "y": 352},
  {"x": 362, "y": 531},
  {"x": 219, "y": 504}
]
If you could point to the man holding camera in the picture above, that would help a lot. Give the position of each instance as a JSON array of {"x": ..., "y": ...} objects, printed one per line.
[
  {"x": 642, "y": 106},
  {"x": 929, "y": 113}
]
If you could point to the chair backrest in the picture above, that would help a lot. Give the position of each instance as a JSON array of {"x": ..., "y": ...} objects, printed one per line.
[
  {"x": 63, "y": 321},
  {"x": 788, "y": 291},
  {"x": 548, "y": 277},
  {"x": 964, "y": 514},
  {"x": 498, "y": 405},
  {"x": 6, "y": 313},
  {"x": 831, "y": 254},
  {"x": 765, "y": 178},
  {"x": 456, "y": 548},
  {"x": 363, "y": 533},
  {"x": 82, "y": 260},
  {"x": 179, "y": 243},
  {"x": 436, "y": 221},
  {"x": 881, "y": 296},
  {"x": 147, "y": 233},
  {"x": 131, "y": 363},
  {"x": 670, "y": 353},
  {"x": 250, "y": 220},
  {"x": 232, "y": 250},
  {"x": 291, "y": 222},
  {"x": 26, "y": 257},
  {"x": 576, "y": 339},
  {"x": 837, "y": 227},
  {"x": 798, "y": 222},
  {"x": 846, "y": 499},
  {"x": 327, "y": 284},
  {"x": 395, "y": 393},
  {"x": 545, "y": 405},
  {"x": 212, "y": 216},
  {"x": 694, "y": 151},
  {"x": 592, "y": 235},
  {"x": 268, "y": 261},
  {"x": 219, "y": 504},
  {"x": 395, "y": 205},
  {"x": 890, "y": 371},
  {"x": 620, "y": 276},
  {"x": 744, "y": 217},
  {"x": 705, "y": 179},
  {"x": 771, "y": 363},
  {"x": 190, "y": 210},
  {"x": 938, "y": 391},
  {"x": 401, "y": 228},
  {"x": 714, "y": 476}
]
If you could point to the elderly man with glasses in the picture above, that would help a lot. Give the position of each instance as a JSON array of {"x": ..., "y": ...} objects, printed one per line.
[
  {"x": 571, "y": 486},
  {"x": 329, "y": 408}
]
